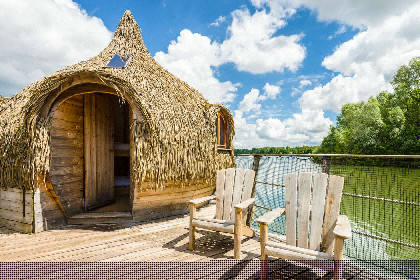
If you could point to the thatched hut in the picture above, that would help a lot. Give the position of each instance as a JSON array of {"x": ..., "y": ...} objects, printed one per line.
[{"x": 116, "y": 133}]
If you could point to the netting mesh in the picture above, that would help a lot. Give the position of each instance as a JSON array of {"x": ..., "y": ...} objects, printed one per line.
[{"x": 381, "y": 197}]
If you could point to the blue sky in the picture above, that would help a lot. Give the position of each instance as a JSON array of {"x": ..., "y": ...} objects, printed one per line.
[{"x": 283, "y": 67}]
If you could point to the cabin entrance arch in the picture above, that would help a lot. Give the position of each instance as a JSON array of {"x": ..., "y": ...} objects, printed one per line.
[{"x": 90, "y": 149}]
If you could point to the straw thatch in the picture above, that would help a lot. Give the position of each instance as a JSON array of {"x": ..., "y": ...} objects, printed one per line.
[{"x": 174, "y": 137}]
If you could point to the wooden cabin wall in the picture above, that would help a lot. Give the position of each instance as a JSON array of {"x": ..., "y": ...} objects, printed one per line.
[
  {"x": 51, "y": 215},
  {"x": 172, "y": 200},
  {"x": 16, "y": 210},
  {"x": 67, "y": 162}
]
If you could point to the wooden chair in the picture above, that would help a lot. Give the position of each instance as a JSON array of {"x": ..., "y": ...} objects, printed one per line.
[
  {"x": 320, "y": 220},
  {"x": 233, "y": 198}
]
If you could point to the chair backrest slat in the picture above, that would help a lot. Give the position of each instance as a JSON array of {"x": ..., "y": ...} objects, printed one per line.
[
  {"x": 318, "y": 206},
  {"x": 237, "y": 190},
  {"x": 220, "y": 190},
  {"x": 227, "y": 203},
  {"x": 248, "y": 184},
  {"x": 232, "y": 187},
  {"x": 304, "y": 202},
  {"x": 290, "y": 183},
  {"x": 332, "y": 208}
]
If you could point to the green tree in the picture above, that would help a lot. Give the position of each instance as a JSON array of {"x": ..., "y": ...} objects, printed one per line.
[
  {"x": 406, "y": 85},
  {"x": 386, "y": 124}
]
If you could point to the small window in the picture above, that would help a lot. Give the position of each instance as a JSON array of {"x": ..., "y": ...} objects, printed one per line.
[
  {"x": 119, "y": 61},
  {"x": 222, "y": 130}
]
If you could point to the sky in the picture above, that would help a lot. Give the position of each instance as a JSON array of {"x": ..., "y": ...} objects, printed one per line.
[{"x": 284, "y": 68}]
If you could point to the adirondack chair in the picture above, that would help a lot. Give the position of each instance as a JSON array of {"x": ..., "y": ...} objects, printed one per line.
[
  {"x": 327, "y": 230},
  {"x": 233, "y": 198}
]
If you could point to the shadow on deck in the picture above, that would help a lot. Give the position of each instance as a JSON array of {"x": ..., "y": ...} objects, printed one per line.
[{"x": 154, "y": 250}]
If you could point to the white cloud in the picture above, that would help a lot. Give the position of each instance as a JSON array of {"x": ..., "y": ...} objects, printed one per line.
[
  {"x": 250, "y": 45},
  {"x": 306, "y": 128},
  {"x": 356, "y": 13},
  {"x": 191, "y": 58},
  {"x": 270, "y": 129},
  {"x": 270, "y": 91},
  {"x": 41, "y": 37},
  {"x": 310, "y": 122},
  {"x": 341, "y": 30},
  {"x": 304, "y": 83},
  {"x": 250, "y": 101},
  {"x": 253, "y": 34},
  {"x": 367, "y": 62},
  {"x": 218, "y": 21},
  {"x": 364, "y": 65}
]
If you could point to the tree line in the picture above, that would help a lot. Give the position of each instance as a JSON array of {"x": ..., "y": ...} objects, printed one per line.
[
  {"x": 388, "y": 123},
  {"x": 278, "y": 150}
]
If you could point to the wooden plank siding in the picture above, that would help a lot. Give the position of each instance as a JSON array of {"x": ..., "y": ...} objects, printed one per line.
[
  {"x": 16, "y": 209},
  {"x": 172, "y": 200}
]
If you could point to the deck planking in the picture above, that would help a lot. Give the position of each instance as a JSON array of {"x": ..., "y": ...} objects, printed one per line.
[{"x": 149, "y": 250}]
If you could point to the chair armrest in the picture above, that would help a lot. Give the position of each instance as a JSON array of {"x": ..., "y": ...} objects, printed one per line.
[
  {"x": 269, "y": 217},
  {"x": 202, "y": 199},
  {"x": 342, "y": 227},
  {"x": 245, "y": 204}
]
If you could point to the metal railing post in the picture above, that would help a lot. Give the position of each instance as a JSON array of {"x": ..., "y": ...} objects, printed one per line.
[{"x": 326, "y": 165}]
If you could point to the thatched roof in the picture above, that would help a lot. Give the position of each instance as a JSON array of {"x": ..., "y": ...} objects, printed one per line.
[
  {"x": 175, "y": 137},
  {"x": 3, "y": 101}
]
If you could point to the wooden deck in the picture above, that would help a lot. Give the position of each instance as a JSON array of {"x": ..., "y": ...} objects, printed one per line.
[{"x": 153, "y": 250}]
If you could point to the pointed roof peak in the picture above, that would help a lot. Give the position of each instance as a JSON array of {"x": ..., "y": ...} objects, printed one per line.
[
  {"x": 127, "y": 38},
  {"x": 127, "y": 20},
  {"x": 127, "y": 15}
]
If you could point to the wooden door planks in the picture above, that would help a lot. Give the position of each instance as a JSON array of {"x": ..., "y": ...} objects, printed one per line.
[
  {"x": 99, "y": 150},
  {"x": 104, "y": 149},
  {"x": 90, "y": 149}
]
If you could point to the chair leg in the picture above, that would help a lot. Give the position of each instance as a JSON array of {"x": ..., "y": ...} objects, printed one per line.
[
  {"x": 192, "y": 228},
  {"x": 192, "y": 238},
  {"x": 338, "y": 258},
  {"x": 264, "y": 267},
  {"x": 264, "y": 257},
  {"x": 237, "y": 236}
]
